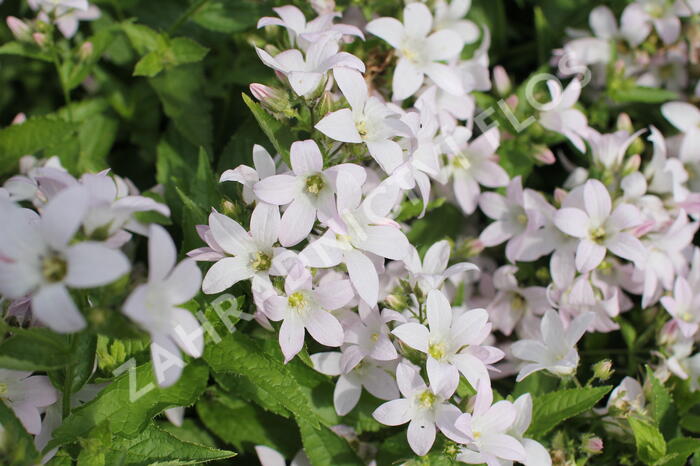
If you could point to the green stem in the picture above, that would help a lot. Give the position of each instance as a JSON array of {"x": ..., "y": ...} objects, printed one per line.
[
  {"x": 187, "y": 14},
  {"x": 68, "y": 381},
  {"x": 64, "y": 85}
]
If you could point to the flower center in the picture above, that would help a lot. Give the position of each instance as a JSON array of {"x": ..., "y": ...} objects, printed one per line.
[
  {"x": 261, "y": 262},
  {"x": 597, "y": 235},
  {"x": 54, "y": 268},
  {"x": 362, "y": 128},
  {"x": 297, "y": 301},
  {"x": 315, "y": 183},
  {"x": 437, "y": 350},
  {"x": 655, "y": 10},
  {"x": 522, "y": 219},
  {"x": 517, "y": 303},
  {"x": 374, "y": 337},
  {"x": 427, "y": 399},
  {"x": 686, "y": 316},
  {"x": 461, "y": 162}
]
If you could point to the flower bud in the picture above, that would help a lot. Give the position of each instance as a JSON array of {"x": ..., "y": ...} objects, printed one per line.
[
  {"x": 20, "y": 29},
  {"x": 85, "y": 51},
  {"x": 603, "y": 369},
  {"x": 544, "y": 155},
  {"x": 273, "y": 99},
  {"x": 501, "y": 81},
  {"x": 325, "y": 104},
  {"x": 624, "y": 123},
  {"x": 39, "y": 38},
  {"x": 593, "y": 445},
  {"x": 230, "y": 209},
  {"x": 631, "y": 165}
]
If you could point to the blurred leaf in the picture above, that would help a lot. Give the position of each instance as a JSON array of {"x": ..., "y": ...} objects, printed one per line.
[
  {"x": 641, "y": 94},
  {"x": 679, "y": 449},
  {"x": 651, "y": 445},
  {"x": 36, "y": 349},
  {"x": 17, "y": 446},
  {"x": 276, "y": 131},
  {"x": 228, "y": 17},
  {"x": 324, "y": 447},
  {"x": 30, "y": 137}
]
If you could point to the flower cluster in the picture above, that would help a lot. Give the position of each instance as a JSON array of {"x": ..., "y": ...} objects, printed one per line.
[{"x": 396, "y": 122}]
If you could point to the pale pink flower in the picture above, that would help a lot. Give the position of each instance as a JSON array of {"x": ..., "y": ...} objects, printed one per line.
[
  {"x": 598, "y": 227},
  {"x": 370, "y": 375},
  {"x": 486, "y": 427},
  {"x": 309, "y": 190},
  {"x": 306, "y": 74},
  {"x": 453, "y": 342},
  {"x": 28, "y": 396},
  {"x": 424, "y": 408},
  {"x": 368, "y": 121},
  {"x": 684, "y": 307},
  {"x": 307, "y": 308},
  {"x": 639, "y": 17},
  {"x": 419, "y": 51},
  {"x": 248, "y": 177},
  {"x": 433, "y": 270},
  {"x": 560, "y": 116},
  {"x": 40, "y": 259},
  {"x": 154, "y": 306},
  {"x": 452, "y": 16},
  {"x": 556, "y": 352}
]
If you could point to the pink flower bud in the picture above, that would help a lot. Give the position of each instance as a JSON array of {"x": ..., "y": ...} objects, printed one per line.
[
  {"x": 501, "y": 81},
  {"x": 513, "y": 101},
  {"x": 593, "y": 445},
  {"x": 275, "y": 100},
  {"x": 19, "y": 28},
  {"x": 19, "y": 119},
  {"x": 39, "y": 38},
  {"x": 86, "y": 50},
  {"x": 559, "y": 195},
  {"x": 544, "y": 155}
]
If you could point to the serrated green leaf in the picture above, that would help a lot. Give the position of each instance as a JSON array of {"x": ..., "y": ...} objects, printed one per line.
[
  {"x": 37, "y": 349},
  {"x": 678, "y": 451},
  {"x": 155, "y": 446},
  {"x": 186, "y": 50},
  {"x": 661, "y": 406},
  {"x": 552, "y": 408},
  {"x": 276, "y": 131},
  {"x": 30, "y": 137},
  {"x": 240, "y": 354},
  {"x": 128, "y": 417},
  {"x": 150, "y": 65},
  {"x": 244, "y": 425},
  {"x": 651, "y": 445},
  {"x": 324, "y": 447}
]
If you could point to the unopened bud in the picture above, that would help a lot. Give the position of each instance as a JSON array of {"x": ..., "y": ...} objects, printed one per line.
[
  {"x": 513, "y": 101},
  {"x": 624, "y": 123},
  {"x": 559, "y": 195},
  {"x": 501, "y": 81},
  {"x": 230, "y": 209},
  {"x": 273, "y": 99},
  {"x": 470, "y": 247},
  {"x": 396, "y": 301},
  {"x": 19, "y": 119},
  {"x": 325, "y": 104},
  {"x": 603, "y": 369},
  {"x": 39, "y": 38},
  {"x": 20, "y": 29},
  {"x": 637, "y": 147},
  {"x": 86, "y": 50},
  {"x": 593, "y": 445},
  {"x": 631, "y": 165},
  {"x": 669, "y": 333},
  {"x": 544, "y": 155}
]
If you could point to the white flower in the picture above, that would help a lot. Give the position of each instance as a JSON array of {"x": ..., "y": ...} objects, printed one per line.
[
  {"x": 67, "y": 14},
  {"x": 560, "y": 115},
  {"x": 270, "y": 457},
  {"x": 367, "y": 121},
  {"x": 40, "y": 260},
  {"x": 309, "y": 190},
  {"x": 302, "y": 33},
  {"x": 453, "y": 343},
  {"x": 419, "y": 53},
  {"x": 254, "y": 254},
  {"x": 639, "y": 17},
  {"x": 486, "y": 427},
  {"x": 27, "y": 396},
  {"x": 686, "y": 118},
  {"x": 348, "y": 389},
  {"x": 247, "y": 176},
  {"x": 471, "y": 164},
  {"x": 308, "y": 308},
  {"x": 154, "y": 307},
  {"x": 587, "y": 214},
  {"x": 307, "y": 73},
  {"x": 360, "y": 234},
  {"x": 433, "y": 270},
  {"x": 535, "y": 453},
  {"x": 557, "y": 350},
  {"x": 451, "y": 16},
  {"x": 422, "y": 407},
  {"x": 683, "y": 307},
  {"x": 367, "y": 336}
]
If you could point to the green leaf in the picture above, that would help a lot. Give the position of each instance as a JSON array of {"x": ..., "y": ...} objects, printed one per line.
[
  {"x": 36, "y": 349},
  {"x": 552, "y": 408},
  {"x": 661, "y": 406},
  {"x": 16, "y": 445},
  {"x": 324, "y": 447},
  {"x": 143, "y": 38},
  {"x": 227, "y": 17},
  {"x": 186, "y": 50},
  {"x": 129, "y": 415},
  {"x": 240, "y": 354},
  {"x": 244, "y": 425},
  {"x": 24, "y": 49},
  {"x": 150, "y": 65},
  {"x": 30, "y": 137},
  {"x": 678, "y": 451},
  {"x": 95, "y": 446},
  {"x": 156, "y": 446},
  {"x": 97, "y": 136},
  {"x": 276, "y": 131},
  {"x": 83, "y": 356},
  {"x": 651, "y": 445},
  {"x": 691, "y": 422},
  {"x": 642, "y": 94}
]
